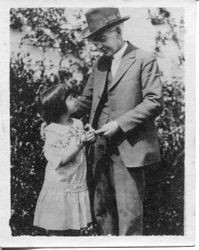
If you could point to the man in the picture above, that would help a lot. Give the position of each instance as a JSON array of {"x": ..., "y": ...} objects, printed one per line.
[{"x": 124, "y": 96}]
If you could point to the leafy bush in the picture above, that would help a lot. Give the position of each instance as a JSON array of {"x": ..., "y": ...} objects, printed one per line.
[
  {"x": 163, "y": 207},
  {"x": 164, "y": 202}
]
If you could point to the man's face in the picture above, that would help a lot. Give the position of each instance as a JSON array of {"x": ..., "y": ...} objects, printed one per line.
[{"x": 108, "y": 42}]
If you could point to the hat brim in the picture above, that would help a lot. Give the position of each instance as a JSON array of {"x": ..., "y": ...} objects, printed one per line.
[{"x": 87, "y": 34}]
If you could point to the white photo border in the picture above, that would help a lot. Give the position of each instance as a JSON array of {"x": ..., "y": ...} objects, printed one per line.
[{"x": 188, "y": 238}]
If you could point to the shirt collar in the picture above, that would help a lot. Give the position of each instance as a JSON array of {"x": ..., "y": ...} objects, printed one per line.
[{"x": 118, "y": 55}]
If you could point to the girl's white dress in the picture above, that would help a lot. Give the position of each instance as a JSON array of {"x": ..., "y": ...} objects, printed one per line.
[{"x": 63, "y": 202}]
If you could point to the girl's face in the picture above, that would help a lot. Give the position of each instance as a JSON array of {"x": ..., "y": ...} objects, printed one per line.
[{"x": 71, "y": 104}]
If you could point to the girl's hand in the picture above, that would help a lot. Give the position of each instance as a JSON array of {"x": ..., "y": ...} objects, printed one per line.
[
  {"x": 90, "y": 133},
  {"x": 90, "y": 136},
  {"x": 88, "y": 127}
]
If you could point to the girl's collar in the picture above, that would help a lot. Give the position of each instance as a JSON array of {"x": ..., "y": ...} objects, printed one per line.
[{"x": 54, "y": 125}]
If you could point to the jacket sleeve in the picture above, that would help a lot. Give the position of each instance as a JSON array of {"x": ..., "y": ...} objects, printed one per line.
[
  {"x": 152, "y": 98},
  {"x": 84, "y": 101}
]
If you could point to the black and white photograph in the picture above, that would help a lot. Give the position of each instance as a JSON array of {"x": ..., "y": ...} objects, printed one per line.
[{"x": 98, "y": 122}]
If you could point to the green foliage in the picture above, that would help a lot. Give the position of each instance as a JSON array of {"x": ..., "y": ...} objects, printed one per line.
[{"x": 51, "y": 28}]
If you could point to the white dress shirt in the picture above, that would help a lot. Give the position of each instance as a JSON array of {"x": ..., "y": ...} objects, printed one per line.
[{"x": 117, "y": 59}]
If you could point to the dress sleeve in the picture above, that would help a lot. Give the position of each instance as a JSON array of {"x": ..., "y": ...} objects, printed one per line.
[{"x": 53, "y": 149}]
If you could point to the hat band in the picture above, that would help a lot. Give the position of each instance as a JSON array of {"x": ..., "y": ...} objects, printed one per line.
[
  {"x": 104, "y": 21},
  {"x": 112, "y": 17}
]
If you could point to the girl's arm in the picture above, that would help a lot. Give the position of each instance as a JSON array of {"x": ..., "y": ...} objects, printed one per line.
[
  {"x": 56, "y": 154},
  {"x": 74, "y": 149},
  {"x": 76, "y": 146}
]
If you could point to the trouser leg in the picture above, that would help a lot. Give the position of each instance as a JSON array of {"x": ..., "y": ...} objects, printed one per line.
[
  {"x": 118, "y": 195},
  {"x": 129, "y": 191},
  {"x": 104, "y": 203}
]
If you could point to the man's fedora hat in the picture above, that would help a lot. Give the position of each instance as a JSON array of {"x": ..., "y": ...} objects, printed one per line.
[{"x": 100, "y": 19}]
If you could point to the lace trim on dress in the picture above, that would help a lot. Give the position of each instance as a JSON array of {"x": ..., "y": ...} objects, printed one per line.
[{"x": 58, "y": 139}]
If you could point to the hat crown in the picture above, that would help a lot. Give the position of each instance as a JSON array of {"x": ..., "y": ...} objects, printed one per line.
[{"x": 100, "y": 17}]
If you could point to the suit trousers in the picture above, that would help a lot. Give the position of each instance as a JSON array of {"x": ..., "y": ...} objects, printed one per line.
[{"x": 118, "y": 193}]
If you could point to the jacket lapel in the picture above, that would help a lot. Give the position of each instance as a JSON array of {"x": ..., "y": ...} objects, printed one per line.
[
  {"x": 101, "y": 74},
  {"x": 127, "y": 60}
]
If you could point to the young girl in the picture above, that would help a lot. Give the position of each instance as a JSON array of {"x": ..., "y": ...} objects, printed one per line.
[{"x": 63, "y": 203}]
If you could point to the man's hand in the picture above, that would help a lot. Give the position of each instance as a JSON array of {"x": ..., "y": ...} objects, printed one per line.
[{"x": 108, "y": 130}]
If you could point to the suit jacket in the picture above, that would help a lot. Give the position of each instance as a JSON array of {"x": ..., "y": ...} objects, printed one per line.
[{"x": 134, "y": 100}]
